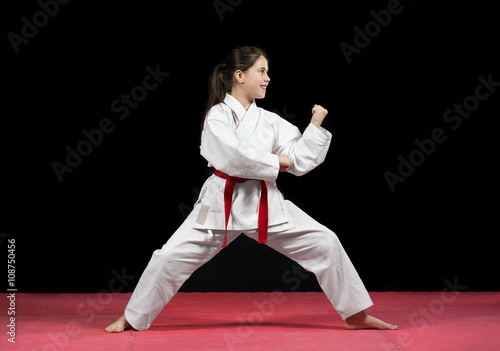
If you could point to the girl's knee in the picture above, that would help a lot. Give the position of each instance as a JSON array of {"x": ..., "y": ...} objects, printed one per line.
[
  {"x": 329, "y": 239},
  {"x": 328, "y": 246},
  {"x": 165, "y": 255}
]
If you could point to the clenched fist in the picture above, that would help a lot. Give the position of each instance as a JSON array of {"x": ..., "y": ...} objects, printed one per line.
[
  {"x": 285, "y": 163},
  {"x": 319, "y": 114}
]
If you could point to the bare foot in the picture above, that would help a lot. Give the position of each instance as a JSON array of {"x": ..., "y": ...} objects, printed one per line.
[
  {"x": 120, "y": 325},
  {"x": 362, "y": 320}
]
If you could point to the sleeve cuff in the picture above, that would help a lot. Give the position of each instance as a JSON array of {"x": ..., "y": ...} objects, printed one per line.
[{"x": 321, "y": 133}]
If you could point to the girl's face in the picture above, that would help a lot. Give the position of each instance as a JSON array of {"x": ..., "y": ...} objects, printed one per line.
[{"x": 255, "y": 80}]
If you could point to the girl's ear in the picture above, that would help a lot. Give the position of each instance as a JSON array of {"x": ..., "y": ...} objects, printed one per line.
[{"x": 239, "y": 76}]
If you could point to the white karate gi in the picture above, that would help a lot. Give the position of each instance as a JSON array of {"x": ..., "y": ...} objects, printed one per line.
[{"x": 246, "y": 144}]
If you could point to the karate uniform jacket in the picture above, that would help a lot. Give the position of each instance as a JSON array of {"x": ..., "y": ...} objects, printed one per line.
[{"x": 246, "y": 144}]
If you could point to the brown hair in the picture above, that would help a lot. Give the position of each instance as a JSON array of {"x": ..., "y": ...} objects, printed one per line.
[{"x": 222, "y": 79}]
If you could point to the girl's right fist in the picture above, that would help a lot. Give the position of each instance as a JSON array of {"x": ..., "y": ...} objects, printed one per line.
[{"x": 285, "y": 163}]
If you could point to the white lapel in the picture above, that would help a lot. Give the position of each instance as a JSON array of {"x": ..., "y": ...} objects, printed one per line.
[
  {"x": 235, "y": 106},
  {"x": 247, "y": 119}
]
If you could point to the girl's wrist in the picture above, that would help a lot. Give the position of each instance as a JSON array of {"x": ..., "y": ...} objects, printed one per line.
[{"x": 317, "y": 124}]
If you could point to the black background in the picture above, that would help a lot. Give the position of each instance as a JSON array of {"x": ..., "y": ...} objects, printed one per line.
[{"x": 132, "y": 192}]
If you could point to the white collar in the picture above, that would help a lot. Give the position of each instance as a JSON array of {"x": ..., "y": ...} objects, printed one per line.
[{"x": 237, "y": 107}]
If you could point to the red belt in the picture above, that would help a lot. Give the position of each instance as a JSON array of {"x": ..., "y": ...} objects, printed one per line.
[{"x": 228, "y": 201}]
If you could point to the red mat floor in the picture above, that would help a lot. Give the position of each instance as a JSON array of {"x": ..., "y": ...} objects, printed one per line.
[{"x": 468, "y": 321}]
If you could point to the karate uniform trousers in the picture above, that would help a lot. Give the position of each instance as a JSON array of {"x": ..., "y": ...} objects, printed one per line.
[{"x": 246, "y": 144}]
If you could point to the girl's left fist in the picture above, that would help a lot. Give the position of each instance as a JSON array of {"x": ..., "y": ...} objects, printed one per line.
[{"x": 319, "y": 114}]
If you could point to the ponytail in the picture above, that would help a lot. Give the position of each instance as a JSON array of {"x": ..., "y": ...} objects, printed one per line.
[
  {"x": 221, "y": 81},
  {"x": 217, "y": 89}
]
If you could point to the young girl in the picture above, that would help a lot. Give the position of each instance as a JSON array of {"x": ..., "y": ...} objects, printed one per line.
[{"x": 248, "y": 146}]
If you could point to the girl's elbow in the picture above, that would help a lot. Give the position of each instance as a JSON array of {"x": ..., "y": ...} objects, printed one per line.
[{"x": 301, "y": 169}]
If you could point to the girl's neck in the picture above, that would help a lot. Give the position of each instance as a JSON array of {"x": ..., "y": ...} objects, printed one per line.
[{"x": 244, "y": 100}]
